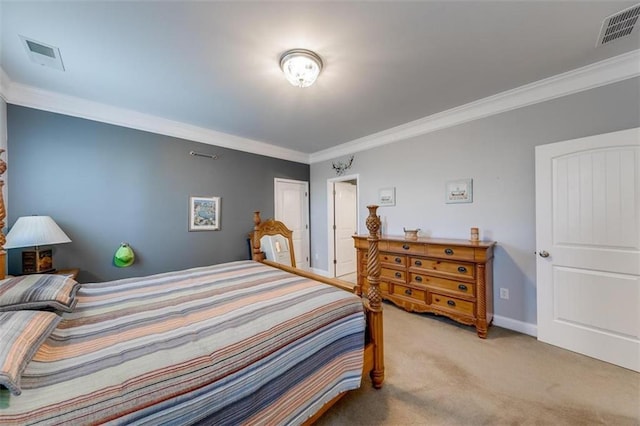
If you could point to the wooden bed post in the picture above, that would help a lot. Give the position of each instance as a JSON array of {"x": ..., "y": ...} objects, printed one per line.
[
  {"x": 256, "y": 253},
  {"x": 375, "y": 297},
  {"x": 3, "y": 214}
]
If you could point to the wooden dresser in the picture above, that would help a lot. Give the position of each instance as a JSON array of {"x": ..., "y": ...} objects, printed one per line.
[{"x": 453, "y": 278}]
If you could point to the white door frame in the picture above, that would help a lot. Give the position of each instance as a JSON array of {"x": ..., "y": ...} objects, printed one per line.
[
  {"x": 299, "y": 261},
  {"x": 330, "y": 219}
]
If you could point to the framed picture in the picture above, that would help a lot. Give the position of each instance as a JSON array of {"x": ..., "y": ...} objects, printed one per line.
[
  {"x": 459, "y": 191},
  {"x": 204, "y": 213},
  {"x": 387, "y": 196}
]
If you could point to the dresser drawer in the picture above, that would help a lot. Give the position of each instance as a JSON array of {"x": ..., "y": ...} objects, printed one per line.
[
  {"x": 458, "y": 269},
  {"x": 393, "y": 259},
  {"x": 452, "y": 304},
  {"x": 393, "y": 274},
  {"x": 465, "y": 288},
  {"x": 410, "y": 292},
  {"x": 363, "y": 262},
  {"x": 361, "y": 243},
  {"x": 451, "y": 252},
  {"x": 406, "y": 247}
]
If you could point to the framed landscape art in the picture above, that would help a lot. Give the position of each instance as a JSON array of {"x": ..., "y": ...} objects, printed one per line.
[
  {"x": 459, "y": 191},
  {"x": 387, "y": 196},
  {"x": 204, "y": 213}
]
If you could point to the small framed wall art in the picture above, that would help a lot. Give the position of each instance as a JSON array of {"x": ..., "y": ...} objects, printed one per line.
[
  {"x": 204, "y": 213},
  {"x": 459, "y": 191},
  {"x": 387, "y": 196}
]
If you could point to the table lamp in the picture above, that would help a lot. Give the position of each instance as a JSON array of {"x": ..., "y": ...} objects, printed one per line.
[{"x": 36, "y": 231}]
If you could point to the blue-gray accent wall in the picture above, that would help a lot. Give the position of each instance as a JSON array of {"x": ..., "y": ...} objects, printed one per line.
[{"x": 106, "y": 184}]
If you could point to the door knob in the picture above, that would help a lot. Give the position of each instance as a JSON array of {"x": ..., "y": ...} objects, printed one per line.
[{"x": 544, "y": 253}]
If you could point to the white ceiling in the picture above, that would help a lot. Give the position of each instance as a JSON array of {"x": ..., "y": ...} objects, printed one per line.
[{"x": 214, "y": 65}]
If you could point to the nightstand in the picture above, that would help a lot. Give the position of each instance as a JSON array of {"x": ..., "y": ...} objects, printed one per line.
[{"x": 73, "y": 273}]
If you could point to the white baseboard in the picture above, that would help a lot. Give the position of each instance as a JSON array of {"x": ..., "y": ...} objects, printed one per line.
[{"x": 515, "y": 325}]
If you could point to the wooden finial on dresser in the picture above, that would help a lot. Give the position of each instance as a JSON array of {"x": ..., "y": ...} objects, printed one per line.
[{"x": 375, "y": 296}]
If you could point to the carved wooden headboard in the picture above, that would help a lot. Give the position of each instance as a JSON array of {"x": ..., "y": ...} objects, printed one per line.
[{"x": 269, "y": 227}]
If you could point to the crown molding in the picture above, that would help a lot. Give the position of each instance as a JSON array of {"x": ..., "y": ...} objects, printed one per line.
[
  {"x": 601, "y": 73},
  {"x": 4, "y": 84},
  {"x": 19, "y": 94}
]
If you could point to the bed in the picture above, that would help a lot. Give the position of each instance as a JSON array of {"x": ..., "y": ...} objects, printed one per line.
[{"x": 246, "y": 342}]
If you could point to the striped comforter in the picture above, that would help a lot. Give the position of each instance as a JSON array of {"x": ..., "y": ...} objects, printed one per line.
[{"x": 236, "y": 343}]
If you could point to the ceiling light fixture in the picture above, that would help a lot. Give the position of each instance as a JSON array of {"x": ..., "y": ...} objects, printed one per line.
[{"x": 301, "y": 66}]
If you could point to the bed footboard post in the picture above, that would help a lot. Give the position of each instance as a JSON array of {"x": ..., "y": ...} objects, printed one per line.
[
  {"x": 256, "y": 253},
  {"x": 375, "y": 297}
]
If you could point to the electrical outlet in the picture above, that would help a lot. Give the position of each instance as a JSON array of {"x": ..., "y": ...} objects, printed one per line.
[
  {"x": 316, "y": 256},
  {"x": 504, "y": 293}
]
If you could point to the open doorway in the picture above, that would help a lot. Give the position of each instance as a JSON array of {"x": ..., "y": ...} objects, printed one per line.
[{"x": 342, "y": 224}]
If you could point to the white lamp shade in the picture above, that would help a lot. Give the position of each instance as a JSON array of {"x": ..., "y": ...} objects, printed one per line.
[{"x": 33, "y": 231}]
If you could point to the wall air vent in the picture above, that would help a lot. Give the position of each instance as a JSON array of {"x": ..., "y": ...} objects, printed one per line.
[
  {"x": 619, "y": 25},
  {"x": 43, "y": 54}
]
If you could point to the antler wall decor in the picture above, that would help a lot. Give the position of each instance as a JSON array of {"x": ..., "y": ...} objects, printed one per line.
[{"x": 340, "y": 167}]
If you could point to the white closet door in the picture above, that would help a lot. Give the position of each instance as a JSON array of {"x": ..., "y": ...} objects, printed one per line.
[{"x": 588, "y": 245}]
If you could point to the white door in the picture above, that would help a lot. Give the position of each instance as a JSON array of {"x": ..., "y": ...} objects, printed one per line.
[
  {"x": 292, "y": 209},
  {"x": 346, "y": 224},
  {"x": 588, "y": 245}
]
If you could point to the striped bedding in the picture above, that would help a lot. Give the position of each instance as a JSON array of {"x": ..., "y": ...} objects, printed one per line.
[{"x": 236, "y": 343}]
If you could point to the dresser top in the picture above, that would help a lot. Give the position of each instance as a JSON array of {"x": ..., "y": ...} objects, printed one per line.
[{"x": 426, "y": 240}]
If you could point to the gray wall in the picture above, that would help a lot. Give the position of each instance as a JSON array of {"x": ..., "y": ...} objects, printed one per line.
[
  {"x": 498, "y": 154},
  {"x": 106, "y": 184}
]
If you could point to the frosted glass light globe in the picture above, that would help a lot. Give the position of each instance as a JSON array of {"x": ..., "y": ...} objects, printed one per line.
[{"x": 301, "y": 67}]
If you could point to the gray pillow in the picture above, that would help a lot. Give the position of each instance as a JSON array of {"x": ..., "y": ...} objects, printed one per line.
[{"x": 38, "y": 291}]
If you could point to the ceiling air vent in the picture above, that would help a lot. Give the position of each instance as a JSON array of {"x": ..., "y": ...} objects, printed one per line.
[
  {"x": 619, "y": 25},
  {"x": 43, "y": 54}
]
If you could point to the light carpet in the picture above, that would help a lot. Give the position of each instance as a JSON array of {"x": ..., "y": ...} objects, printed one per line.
[{"x": 440, "y": 373}]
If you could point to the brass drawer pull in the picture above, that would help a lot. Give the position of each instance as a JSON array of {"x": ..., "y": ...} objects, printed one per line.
[
  {"x": 419, "y": 278},
  {"x": 418, "y": 263},
  {"x": 408, "y": 292},
  {"x": 462, "y": 269},
  {"x": 462, "y": 287},
  {"x": 398, "y": 275},
  {"x": 451, "y": 303},
  {"x": 406, "y": 246},
  {"x": 398, "y": 260},
  {"x": 448, "y": 252}
]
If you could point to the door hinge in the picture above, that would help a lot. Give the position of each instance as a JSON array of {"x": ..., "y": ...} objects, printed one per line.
[
  {"x": 334, "y": 227},
  {"x": 306, "y": 227},
  {"x": 335, "y": 262}
]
